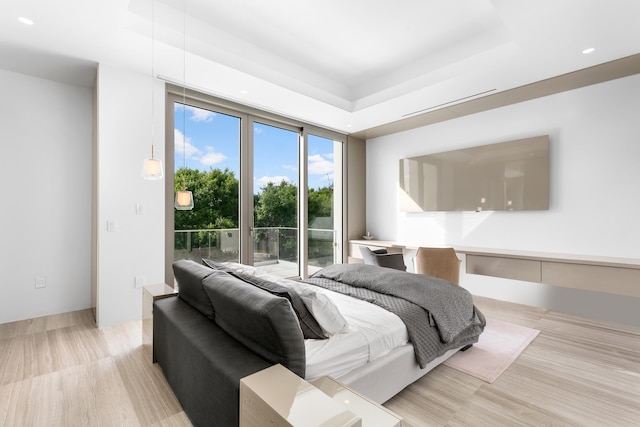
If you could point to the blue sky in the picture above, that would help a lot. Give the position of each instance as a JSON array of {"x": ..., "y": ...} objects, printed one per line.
[{"x": 212, "y": 142}]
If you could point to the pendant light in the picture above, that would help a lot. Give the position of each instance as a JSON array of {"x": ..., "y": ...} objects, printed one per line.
[
  {"x": 152, "y": 168},
  {"x": 184, "y": 198}
]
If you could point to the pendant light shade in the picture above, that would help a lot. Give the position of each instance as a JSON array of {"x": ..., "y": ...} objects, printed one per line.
[
  {"x": 184, "y": 200},
  {"x": 152, "y": 169}
]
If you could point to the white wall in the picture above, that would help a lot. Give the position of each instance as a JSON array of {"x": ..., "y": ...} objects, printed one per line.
[
  {"x": 45, "y": 208},
  {"x": 595, "y": 181},
  {"x": 136, "y": 248}
]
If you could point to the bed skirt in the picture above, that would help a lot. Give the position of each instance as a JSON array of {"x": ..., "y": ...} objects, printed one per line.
[{"x": 388, "y": 375}]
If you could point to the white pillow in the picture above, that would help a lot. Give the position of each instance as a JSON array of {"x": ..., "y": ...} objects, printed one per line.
[
  {"x": 323, "y": 309},
  {"x": 240, "y": 268}
]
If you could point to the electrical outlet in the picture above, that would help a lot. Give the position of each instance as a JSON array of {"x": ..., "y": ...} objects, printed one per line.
[
  {"x": 40, "y": 282},
  {"x": 138, "y": 282}
]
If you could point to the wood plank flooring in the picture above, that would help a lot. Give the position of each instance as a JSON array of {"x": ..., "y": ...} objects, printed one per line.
[
  {"x": 63, "y": 371},
  {"x": 577, "y": 372}
]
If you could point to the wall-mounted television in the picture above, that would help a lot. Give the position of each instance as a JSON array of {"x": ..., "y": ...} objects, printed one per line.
[{"x": 508, "y": 176}]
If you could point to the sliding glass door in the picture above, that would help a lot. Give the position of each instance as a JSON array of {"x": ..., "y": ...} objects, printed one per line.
[
  {"x": 207, "y": 163},
  {"x": 267, "y": 190},
  {"x": 275, "y": 198},
  {"x": 324, "y": 184}
]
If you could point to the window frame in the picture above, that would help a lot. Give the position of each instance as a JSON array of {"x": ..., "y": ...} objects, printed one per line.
[{"x": 248, "y": 115}]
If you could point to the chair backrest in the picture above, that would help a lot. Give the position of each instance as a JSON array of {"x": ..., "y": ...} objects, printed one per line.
[
  {"x": 438, "y": 262},
  {"x": 369, "y": 256},
  {"x": 381, "y": 258}
]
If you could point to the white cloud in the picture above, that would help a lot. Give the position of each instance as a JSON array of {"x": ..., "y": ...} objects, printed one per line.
[
  {"x": 276, "y": 180},
  {"x": 212, "y": 157},
  {"x": 182, "y": 146},
  {"x": 195, "y": 114},
  {"x": 319, "y": 165},
  {"x": 200, "y": 114}
]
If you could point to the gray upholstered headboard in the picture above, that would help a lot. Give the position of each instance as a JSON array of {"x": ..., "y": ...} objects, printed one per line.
[{"x": 264, "y": 323}]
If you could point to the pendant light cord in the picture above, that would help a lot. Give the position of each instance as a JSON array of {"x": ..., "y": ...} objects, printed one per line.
[
  {"x": 153, "y": 45},
  {"x": 184, "y": 95}
]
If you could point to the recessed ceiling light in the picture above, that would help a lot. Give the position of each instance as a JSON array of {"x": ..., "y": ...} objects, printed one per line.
[
  {"x": 588, "y": 50},
  {"x": 244, "y": 91},
  {"x": 25, "y": 21}
]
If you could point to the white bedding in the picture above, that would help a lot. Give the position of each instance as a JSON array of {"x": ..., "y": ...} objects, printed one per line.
[
  {"x": 374, "y": 335},
  {"x": 373, "y": 332}
]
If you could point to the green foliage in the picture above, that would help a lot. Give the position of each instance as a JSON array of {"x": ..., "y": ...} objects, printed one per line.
[
  {"x": 277, "y": 206},
  {"x": 215, "y": 197},
  {"x": 320, "y": 202}
]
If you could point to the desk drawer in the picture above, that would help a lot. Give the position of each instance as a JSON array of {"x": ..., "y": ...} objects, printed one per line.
[{"x": 509, "y": 268}]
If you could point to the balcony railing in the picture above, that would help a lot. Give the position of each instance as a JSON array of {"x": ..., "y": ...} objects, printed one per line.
[{"x": 271, "y": 245}]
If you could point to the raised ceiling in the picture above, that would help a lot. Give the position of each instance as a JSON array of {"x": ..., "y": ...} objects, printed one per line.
[{"x": 347, "y": 65}]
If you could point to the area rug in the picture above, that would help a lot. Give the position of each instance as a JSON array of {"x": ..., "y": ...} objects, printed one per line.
[{"x": 499, "y": 345}]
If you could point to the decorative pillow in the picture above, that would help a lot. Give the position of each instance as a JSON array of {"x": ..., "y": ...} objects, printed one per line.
[
  {"x": 263, "y": 322},
  {"x": 189, "y": 275},
  {"x": 324, "y": 311},
  {"x": 310, "y": 327},
  {"x": 229, "y": 266},
  {"x": 247, "y": 269}
]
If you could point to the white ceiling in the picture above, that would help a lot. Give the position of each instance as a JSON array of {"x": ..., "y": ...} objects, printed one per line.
[{"x": 344, "y": 64}]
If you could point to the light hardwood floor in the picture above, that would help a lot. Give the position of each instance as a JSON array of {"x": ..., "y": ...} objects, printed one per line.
[{"x": 63, "y": 371}]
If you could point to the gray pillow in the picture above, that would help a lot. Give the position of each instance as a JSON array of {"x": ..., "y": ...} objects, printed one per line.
[
  {"x": 189, "y": 275},
  {"x": 216, "y": 265},
  {"x": 263, "y": 322},
  {"x": 309, "y": 325}
]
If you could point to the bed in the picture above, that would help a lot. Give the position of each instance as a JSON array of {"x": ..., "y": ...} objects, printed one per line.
[
  {"x": 372, "y": 352},
  {"x": 350, "y": 322}
]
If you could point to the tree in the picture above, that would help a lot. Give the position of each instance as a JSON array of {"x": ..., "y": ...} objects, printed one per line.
[
  {"x": 320, "y": 202},
  {"x": 215, "y": 197},
  {"x": 277, "y": 206}
]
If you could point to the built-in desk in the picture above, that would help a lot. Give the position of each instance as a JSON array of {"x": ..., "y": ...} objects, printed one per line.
[{"x": 612, "y": 275}]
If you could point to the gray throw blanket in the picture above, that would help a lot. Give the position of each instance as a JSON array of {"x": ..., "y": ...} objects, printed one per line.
[{"x": 450, "y": 308}]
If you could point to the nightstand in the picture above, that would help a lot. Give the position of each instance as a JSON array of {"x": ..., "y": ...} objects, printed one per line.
[
  {"x": 372, "y": 414},
  {"x": 151, "y": 293},
  {"x": 277, "y": 397}
]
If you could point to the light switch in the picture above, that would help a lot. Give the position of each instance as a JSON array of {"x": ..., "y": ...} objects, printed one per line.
[
  {"x": 138, "y": 282},
  {"x": 112, "y": 226},
  {"x": 40, "y": 282},
  {"x": 139, "y": 209}
]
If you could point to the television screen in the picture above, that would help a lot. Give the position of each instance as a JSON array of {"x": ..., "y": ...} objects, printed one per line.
[{"x": 508, "y": 176}]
